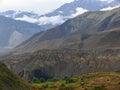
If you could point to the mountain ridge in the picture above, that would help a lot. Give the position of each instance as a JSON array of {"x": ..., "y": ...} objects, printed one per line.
[
  {"x": 86, "y": 43},
  {"x": 85, "y": 24}
]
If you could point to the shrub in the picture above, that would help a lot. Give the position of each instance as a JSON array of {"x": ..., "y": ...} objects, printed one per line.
[
  {"x": 45, "y": 85},
  {"x": 36, "y": 80},
  {"x": 52, "y": 80},
  {"x": 62, "y": 84},
  {"x": 99, "y": 87},
  {"x": 69, "y": 79}
]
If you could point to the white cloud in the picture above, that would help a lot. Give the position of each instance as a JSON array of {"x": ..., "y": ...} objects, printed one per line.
[
  {"x": 51, "y": 20},
  {"x": 109, "y": 1},
  {"x": 109, "y": 8},
  {"x": 39, "y": 6},
  {"x": 28, "y": 19},
  {"x": 79, "y": 11}
]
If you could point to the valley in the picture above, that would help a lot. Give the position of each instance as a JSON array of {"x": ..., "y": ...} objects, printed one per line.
[{"x": 81, "y": 53}]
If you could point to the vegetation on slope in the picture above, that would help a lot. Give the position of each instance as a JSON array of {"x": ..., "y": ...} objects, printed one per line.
[
  {"x": 9, "y": 81},
  {"x": 91, "y": 81}
]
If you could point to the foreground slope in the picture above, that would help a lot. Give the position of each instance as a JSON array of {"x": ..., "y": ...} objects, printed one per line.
[{"x": 9, "y": 81}]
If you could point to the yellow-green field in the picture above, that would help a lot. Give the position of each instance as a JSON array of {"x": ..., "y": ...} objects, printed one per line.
[{"x": 91, "y": 81}]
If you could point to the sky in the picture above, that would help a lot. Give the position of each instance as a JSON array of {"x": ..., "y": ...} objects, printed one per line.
[{"x": 38, "y": 6}]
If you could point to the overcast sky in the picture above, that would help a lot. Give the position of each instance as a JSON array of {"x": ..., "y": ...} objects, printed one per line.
[{"x": 39, "y": 6}]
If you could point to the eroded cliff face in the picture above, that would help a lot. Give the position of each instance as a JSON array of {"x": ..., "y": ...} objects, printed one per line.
[{"x": 61, "y": 63}]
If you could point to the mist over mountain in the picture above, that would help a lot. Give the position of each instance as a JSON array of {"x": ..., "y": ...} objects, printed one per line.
[{"x": 13, "y": 32}]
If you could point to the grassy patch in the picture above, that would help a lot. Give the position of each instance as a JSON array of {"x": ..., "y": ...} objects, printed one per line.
[{"x": 91, "y": 81}]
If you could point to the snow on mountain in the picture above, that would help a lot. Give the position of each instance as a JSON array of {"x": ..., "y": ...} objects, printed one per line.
[{"x": 109, "y": 8}]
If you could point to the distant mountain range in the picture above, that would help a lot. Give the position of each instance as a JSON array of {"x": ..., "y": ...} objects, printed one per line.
[
  {"x": 87, "y": 43},
  {"x": 13, "y": 32},
  {"x": 63, "y": 13}
]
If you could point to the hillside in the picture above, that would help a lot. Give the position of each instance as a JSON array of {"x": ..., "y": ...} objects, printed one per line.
[
  {"x": 63, "y": 62},
  {"x": 90, "y": 81},
  {"x": 9, "y": 81}
]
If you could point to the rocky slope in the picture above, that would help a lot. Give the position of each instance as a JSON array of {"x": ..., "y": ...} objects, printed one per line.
[{"x": 61, "y": 63}]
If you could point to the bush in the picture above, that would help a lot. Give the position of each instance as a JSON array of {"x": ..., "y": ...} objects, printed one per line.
[
  {"x": 62, "y": 84},
  {"x": 36, "y": 80},
  {"x": 45, "y": 85},
  {"x": 82, "y": 82},
  {"x": 99, "y": 87},
  {"x": 52, "y": 80},
  {"x": 69, "y": 80}
]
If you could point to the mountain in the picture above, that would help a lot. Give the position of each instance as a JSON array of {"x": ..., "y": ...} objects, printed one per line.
[
  {"x": 9, "y": 81},
  {"x": 86, "y": 43},
  {"x": 74, "y": 31},
  {"x": 13, "y": 32},
  {"x": 63, "y": 13}
]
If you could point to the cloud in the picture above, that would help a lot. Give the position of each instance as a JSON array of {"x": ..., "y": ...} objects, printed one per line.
[
  {"x": 108, "y": 1},
  {"x": 39, "y": 6},
  {"x": 51, "y": 20},
  {"x": 109, "y": 8},
  {"x": 79, "y": 11},
  {"x": 28, "y": 19},
  {"x": 43, "y": 20}
]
